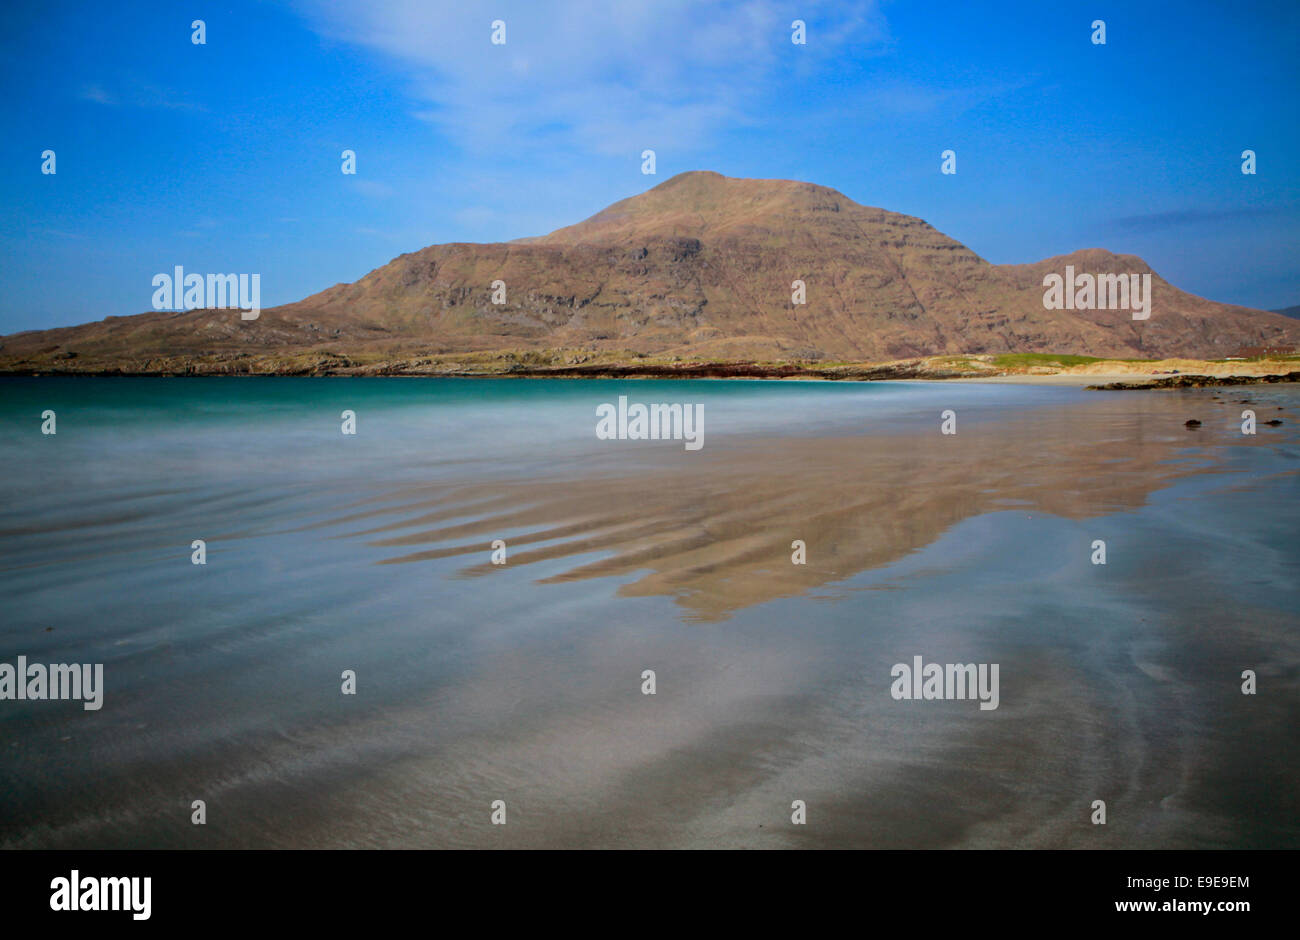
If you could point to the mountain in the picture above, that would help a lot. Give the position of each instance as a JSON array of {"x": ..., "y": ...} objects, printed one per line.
[
  {"x": 699, "y": 266},
  {"x": 1293, "y": 312}
]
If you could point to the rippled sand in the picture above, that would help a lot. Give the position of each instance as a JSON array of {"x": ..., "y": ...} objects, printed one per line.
[
  {"x": 523, "y": 682},
  {"x": 716, "y": 532}
]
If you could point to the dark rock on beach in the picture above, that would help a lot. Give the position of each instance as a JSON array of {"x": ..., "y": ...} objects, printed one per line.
[{"x": 1199, "y": 381}]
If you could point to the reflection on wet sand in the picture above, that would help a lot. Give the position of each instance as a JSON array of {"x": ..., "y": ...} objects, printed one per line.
[{"x": 715, "y": 530}]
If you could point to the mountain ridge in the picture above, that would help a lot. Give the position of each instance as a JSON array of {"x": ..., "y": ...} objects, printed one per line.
[{"x": 701, "y": 265}]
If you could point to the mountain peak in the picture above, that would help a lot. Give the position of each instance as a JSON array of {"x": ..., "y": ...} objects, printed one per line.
[
  {"x": 709, "y": 186},
  {"x": 700, "y": 203},
  {"x": 703, "y": 176}
]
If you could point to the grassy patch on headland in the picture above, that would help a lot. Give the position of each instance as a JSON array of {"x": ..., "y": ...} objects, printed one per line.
[{"x": 1028, "y": 360}]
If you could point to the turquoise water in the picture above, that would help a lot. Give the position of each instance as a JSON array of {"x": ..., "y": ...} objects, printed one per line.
[
  {"x": 421, "y": 425},
  {"x": 522, "y": 682}
]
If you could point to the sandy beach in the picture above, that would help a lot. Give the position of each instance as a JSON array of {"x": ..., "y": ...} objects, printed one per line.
[{"x": 523, "y": 681}]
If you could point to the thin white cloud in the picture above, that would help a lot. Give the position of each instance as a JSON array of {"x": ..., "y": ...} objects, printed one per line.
[
  {"x": 137, "y": 94},
  {"x": 605, "y": 77},
  {"x": 373, "y": 189},
  {"x": 898, "y": 99},
  {"x": 477, "y": 216},
  {"x": 97, "y": 94}
]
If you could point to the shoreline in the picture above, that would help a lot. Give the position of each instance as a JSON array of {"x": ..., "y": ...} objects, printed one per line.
[{"x": 910, "y": 371}]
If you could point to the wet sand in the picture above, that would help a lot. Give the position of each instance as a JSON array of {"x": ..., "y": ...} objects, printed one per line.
[{"x": 523, "y": 682}]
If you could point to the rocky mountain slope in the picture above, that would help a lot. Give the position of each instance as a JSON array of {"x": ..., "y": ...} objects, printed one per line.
[{"x": 701, "y": 266}]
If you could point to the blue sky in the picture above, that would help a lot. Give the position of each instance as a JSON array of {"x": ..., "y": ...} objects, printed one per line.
[{"x": 225, "y": 157}]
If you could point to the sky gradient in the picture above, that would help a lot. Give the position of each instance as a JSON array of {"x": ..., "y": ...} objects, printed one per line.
[{"x": 225, "y": 157}]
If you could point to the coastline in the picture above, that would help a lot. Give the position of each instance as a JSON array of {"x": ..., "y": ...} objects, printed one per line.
[{"x": 1097, "y": 375}]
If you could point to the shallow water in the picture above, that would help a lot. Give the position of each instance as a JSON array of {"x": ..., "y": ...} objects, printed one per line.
[{"x": 522, "y": 682}]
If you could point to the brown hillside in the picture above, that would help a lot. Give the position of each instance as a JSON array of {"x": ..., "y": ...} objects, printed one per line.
[{"x": 699, "y": 266}]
